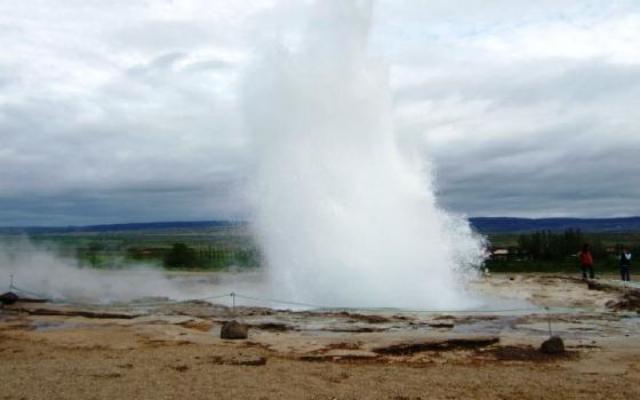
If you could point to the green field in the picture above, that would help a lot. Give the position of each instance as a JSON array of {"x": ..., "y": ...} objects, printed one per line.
[
  {"x": 219, "y": 248},
  {"x": 207, "y": 249}
]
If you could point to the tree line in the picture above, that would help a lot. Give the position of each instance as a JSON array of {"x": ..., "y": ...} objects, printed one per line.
[
  {"x": 180, "y": 255},
  {"x": 554, "y": 246}
]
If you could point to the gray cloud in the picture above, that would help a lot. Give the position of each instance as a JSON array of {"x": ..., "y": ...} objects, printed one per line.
[
  {"x": 564, "y": 142},
  {"x": 130, "y": 112}
]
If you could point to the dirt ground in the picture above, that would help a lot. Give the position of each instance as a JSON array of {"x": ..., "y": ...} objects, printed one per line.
[{"x": 53, "y": 351}]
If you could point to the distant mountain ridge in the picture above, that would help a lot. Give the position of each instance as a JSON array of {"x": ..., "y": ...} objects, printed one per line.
[
  {"x": 515, "y": 225},
  {"x": 127, "y": 227},
  {"x": 482, "y": 224}
]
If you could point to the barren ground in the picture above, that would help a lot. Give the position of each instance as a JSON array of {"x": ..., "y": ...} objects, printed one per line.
[{"x": 174, "y": 351}]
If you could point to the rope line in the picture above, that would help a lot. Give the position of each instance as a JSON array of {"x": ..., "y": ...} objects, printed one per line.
[
  {"x": 234, "y": 295},
  {"x": 381, "y": 309},
  {"x": 274, "y": 301},
  {"x": 17, "y": 289}
]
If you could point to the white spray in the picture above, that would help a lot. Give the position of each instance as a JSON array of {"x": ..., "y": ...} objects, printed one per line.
[
  {"x": 39, "y": 271},
  {"x": 344, "y": 219}
]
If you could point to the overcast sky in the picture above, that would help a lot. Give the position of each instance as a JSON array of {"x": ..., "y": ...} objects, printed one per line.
[{"x": 127, "y": 111}]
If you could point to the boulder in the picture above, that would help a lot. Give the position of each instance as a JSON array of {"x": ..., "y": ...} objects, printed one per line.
[
  {"x": 553, "y": 345},
  {"x": 234, "y": 330},
  {"x": 8, "y": 298}
]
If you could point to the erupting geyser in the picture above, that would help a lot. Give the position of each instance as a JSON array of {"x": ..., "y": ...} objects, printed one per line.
[{"x": 343, "y": 218}]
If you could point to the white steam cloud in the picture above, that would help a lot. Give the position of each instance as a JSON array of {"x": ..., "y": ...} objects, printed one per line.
[
  {"x": 343, "y": 216},
  {"x": 41, "y": 272}
]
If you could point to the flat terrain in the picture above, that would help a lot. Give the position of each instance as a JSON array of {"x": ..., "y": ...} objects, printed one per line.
[{"x": 173, "y": 350}]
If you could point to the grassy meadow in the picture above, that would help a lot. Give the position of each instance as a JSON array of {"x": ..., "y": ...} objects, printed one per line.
[{"x": 231, "y": 246}]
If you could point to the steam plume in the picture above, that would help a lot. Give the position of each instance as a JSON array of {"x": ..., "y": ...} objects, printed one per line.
[{"x": 343, "y": 217}]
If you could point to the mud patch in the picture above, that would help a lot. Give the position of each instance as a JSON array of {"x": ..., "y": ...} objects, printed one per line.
[
  {"x": 524, "y": 353},
  {"x": 180, "y": 368},
  {"x": 272, "y": 326},
  {"x": 110, "y": 375},
  {"x": 253, "y": 361},
  {"x": 446, "y": 344}
]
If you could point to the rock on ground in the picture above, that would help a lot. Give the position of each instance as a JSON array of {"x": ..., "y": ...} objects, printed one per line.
[
  {"x": 8, "y": 298},
  {"x": 234, "y": 330},
  {"x": 553, "y": 345}
]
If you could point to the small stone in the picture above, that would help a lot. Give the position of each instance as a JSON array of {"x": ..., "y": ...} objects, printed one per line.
[
  {"x": 553, "y": 345},
  {"x": 234, "y": 330},
  {"x": 8, "y": 298}
]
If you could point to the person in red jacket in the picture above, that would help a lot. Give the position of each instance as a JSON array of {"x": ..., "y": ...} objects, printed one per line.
[{"x": 586, "y": 262}]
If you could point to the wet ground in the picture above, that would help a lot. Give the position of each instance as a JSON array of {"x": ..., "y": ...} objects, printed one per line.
[{"x": 599, "y": 327}]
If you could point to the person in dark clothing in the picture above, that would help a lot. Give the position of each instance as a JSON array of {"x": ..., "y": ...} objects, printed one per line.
[
  {"x": 586, "y": 262},
  {"x": 625, "y": 264}
]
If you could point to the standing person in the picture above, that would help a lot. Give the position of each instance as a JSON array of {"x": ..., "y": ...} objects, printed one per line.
[
  {"x": 625, "y": 264},
  {"x": 586, "y": 262}
]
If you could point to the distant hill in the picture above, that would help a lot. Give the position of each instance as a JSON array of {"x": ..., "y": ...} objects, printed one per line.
[
  {"x": 515, "y": 225},
  {"x": 131, "y": 227},
  {"x": 482, "y": 224}
]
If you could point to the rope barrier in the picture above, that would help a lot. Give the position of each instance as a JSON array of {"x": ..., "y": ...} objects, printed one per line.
[
  {"x": 274, "y": 301},
  {"x": 233, "y": 296},
  {"x": 17, "y": 289},
  {"x": 381, "y": 309}
]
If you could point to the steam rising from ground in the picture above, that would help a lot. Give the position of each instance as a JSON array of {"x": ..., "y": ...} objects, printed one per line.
[
  {"x": 345, "y": 218},
  {"x": 45, "y": 273}
]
